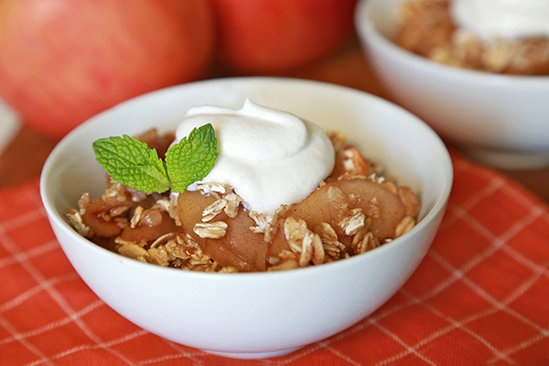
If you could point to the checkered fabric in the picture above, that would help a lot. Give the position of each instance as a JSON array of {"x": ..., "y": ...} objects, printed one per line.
[{"x": 481, "y": 295}]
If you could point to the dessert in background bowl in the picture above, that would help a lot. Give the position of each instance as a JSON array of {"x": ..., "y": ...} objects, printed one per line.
[
  {"x": 476, "y": 71},
  {"x": 260, "y": 314},
  {"x": 505, "y": 37}
]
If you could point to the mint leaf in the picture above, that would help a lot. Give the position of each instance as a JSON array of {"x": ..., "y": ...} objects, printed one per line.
[
  {"x": 192, "y": 158},
  {"x": 132, "y": 163}
]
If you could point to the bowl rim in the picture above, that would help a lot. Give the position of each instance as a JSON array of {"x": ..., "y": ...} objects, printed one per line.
[
  {"x": 369, "y": 33},
  {"x": 56, "y": 217}
]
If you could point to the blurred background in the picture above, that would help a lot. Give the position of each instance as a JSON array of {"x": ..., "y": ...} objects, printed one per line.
[{"x": 62, "y": 61}]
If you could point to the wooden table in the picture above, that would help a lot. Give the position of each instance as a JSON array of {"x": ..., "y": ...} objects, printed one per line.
[{"x": 23, "y": 158}]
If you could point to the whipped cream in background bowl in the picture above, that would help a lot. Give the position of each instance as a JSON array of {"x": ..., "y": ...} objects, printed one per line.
[
  {"x": 491, "y": 20},
  {"x": 496, "y": 119},
  {"x": 261, "y": 314}
]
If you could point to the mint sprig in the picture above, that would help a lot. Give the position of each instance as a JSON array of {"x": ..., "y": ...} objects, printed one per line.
[{"x": 131, "y": 162}]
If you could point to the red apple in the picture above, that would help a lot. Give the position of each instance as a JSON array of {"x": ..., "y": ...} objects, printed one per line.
[
  {"x": 269, "y": 36},
  {"x": 62, "y": 61}
]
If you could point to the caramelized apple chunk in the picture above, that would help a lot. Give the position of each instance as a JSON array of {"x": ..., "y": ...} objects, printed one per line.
[
  {"x": 152, "y": 224},
  {"x": 347, "y": 212},
  {"x": 237, "y": 247},
  {"x": 349, "y": 161},
  {"x": 378, "y": 209},
  {"x": 97, "y": 219},
  {"x": 350, "y": 211}
]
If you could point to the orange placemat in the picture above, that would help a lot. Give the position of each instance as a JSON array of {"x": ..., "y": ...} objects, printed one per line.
[{"x": 481, "y": 296}]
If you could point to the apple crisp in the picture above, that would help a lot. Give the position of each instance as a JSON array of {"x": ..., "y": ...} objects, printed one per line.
[
  {"x": 352, "y": 211},
  {"x": 427, "y": 29}
]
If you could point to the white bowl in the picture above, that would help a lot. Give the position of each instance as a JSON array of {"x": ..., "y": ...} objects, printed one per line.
[
  {"x": 501, "y": 120},
  {"x": 253, "y": 314}
]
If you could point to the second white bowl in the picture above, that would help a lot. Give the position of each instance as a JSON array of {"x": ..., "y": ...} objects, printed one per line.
[{"x": 501, "y": 120}]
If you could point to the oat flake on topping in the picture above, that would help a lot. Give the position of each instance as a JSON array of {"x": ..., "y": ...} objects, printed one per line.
[
  {"x": 233, "y": 202},
  {"x": 352, "y": 222},
  {"x": 213, "y": 210},
  {"x": 363, "y": 242},
  {"x": 136, "y": 217},
  {"x": 328, "y": 236},
  {"x": 207, "y": 188},
  {"x": 75, "y": 219},
  {"x": 405, "y": 225},
  {"x": 211, "y": 230}
]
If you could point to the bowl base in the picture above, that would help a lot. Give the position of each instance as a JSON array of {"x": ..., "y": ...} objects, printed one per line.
[
  {"x": 253, "y": 355},
  {"x": 508, "y": 160}
]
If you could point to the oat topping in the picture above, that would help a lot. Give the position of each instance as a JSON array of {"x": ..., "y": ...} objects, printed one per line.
[
  {"x": 295, "y": 231},
  {"x": 263, "y": 224},
  {"x": 352, "y": 222},
  {"x": 284, "y": 266},
  {"x": 311, "y": 249},
  {"x": 211, "y": 230},
  {"x": 75, "y": 219},
  {"x": 83, "y": 202},
  {"x": 118, "y": 210},
  {"x": 362, "y": 242},
  {"x": 409, "y": 199},
  {"x": 136, "y": 217},
  {"x": 174, "y": 250},
  {"x": 231, "y": 207},
  {"x": 159, "y": 255},
  {"x": 132, "y": 250},
  {"x": 318, "y": 254},
  {"x": 348, "y": 163},
  {"x": 353, "y": 162},
  {"x": 390, "y": 186},
  {"x": 162, "y": 239},
  {"x": 405, "y": 225},
  {"x": 162, "y": 204},
  {"x": 208, "y": 188},
  {"x": 376, "y": 179},
  {"x": 330, "y": 243},
  {"x": 213, "y": 210},
  {"x": 114, "y": 190},
  {"x": 262, "y": 221},
  {"x": 337, "y": 198},
  {"x": 338, "y": 140},
  {"x": 172, "y": 210},
  {"x": 121, "y": 222},
  {"x": 303, "y": 241},
  {"x": 121, "y": 241}
]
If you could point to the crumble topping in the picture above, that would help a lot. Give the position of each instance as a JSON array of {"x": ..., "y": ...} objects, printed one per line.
[{"x": 344, "y": 216}]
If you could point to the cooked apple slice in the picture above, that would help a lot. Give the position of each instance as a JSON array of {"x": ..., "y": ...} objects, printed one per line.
[
  {"x": 94, "y": 217},
  {"x": 149, "y": 229},
  {"x": 334, "y": 202},
  {"x": 239, "y": 247},
  {"x": 350, "y": 206}
]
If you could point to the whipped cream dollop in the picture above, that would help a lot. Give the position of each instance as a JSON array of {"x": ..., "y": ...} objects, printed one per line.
[
  {"x": 490, "y": 20},
  {"x": 269, "y": 157}
]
